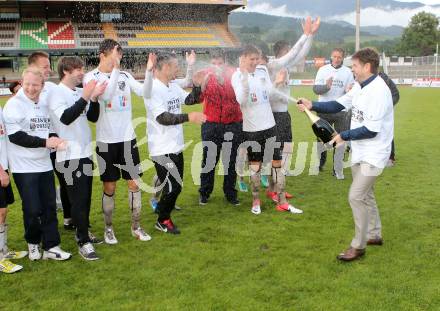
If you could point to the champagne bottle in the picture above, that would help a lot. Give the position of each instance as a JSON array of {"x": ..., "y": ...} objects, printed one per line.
[{"x": 322, "y": 129}]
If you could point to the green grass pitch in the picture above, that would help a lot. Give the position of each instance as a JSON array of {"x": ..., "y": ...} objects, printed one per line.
[{"x": 229, "y": 259}]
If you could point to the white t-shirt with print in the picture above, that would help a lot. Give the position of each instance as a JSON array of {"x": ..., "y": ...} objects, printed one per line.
[
  {"x": 252, "y": 94},
  {"x": 3, "y": 143},
  {"x": 114, "y": 124},
  {"x": 342, "y": 78},
  {"x": 164, "y": 139},
  {"x": 22, "y": 114},
  {"x": 77, "y": 134},
  {"x": 372, "y": 107}
]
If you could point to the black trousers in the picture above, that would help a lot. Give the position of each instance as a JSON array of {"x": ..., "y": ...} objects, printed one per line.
[
  {"x": 63, "y": 191},
  {"x": 341, "y": 122},
  {"x": 37, "y": 192},
  {"x": 393, "y": 151},
  {"x": 169, "y": 170},
  {"x": 78, "y": 178},
  {"x": 227, "y": 137}
]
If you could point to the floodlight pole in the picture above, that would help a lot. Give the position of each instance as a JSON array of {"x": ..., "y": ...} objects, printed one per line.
[
  {"x": 358, "y": 24},
  {"x": 436, "y": 62}
]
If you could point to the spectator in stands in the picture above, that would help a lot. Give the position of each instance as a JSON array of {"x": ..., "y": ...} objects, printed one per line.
[
  {"x": 222, "y": 129},
  {"x": 14, "y": 87},
  {"x": 41, "y": 61},
  {"x": 331, "y": 82}
]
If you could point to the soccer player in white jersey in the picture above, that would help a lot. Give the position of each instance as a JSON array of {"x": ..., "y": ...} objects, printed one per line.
[
  {"x": 40, "y": 60},
  {"x": 371, "y": 133},
  {"x": 286, "y": 58},
  {"x": 70, "y": 110},
  {"x": 28, "y": 126},
  {"x": 165, "y": 133},
  {"x": 6, "y": 198},
  {"x": 186, "y": 82},
  {"x": 252, "y": 86},
  {"x": 331, "y": 82},
  {"x": 117, "y": 149}
]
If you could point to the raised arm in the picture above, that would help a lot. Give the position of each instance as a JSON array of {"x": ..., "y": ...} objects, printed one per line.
[
  {"x": 93, "y": 111},
  {"x": 240, "y": 84},
  {"x": 111, "y": 86},
  {"x": 114, "y": 76},
  {"x": 300, "y": 49},
  {"x": 149, "y": 75},
  {"x": 188, "y": 80},
  {"x": 135, "y": 86},
  {"x": 199, "y": 82},
  {"x": 304, "y": 50},
  {"x": 283, "y": 62}
]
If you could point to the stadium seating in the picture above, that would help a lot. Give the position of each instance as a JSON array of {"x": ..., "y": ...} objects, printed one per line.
[
  {"x": 172, "y": 35},
  {"x": 46, "y": 35},
  {"x": 88, "y": 35},
  {"x": 32, "y": 34},
  {"x": 415, "y": 72},
  {"x": 60, "y": 35},
  {"x": 109, "y": 31},
  {"x": 8, "y": 35}
]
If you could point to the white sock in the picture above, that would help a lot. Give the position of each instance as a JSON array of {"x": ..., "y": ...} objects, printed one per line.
[
  {"x": 286, "y": 161},
  {"x": 3, "y": 240},
  {"x": 242, "y": 162}
]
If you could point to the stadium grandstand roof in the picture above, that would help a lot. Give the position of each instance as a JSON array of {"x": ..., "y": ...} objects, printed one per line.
[{"x": 216, "y": 2}]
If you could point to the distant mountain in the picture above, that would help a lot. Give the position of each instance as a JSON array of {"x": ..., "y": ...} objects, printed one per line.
[
  {"x": 264, "y": 30},
  {"x": 328, "y": 32},
  {"x": 391, "y": 31}
]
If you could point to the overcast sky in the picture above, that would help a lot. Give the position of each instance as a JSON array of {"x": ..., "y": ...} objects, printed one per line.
[
  {"x": 369, "y": 16},
  {"x": 381, "y": 17},
  {"x": 422, "y": 1}
]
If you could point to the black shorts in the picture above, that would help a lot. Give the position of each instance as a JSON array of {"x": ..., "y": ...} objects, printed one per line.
[
  {"x": 257, "y": 142},
  {"x": 284, "y": 127},
  {"x": 118, "y": 159},
  {"x": 6, "y": 195}
]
